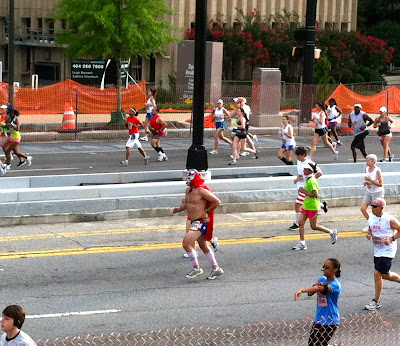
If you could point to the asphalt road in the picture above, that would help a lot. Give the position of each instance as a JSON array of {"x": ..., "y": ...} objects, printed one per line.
[
  {"x": 104, "y": 156},
  {"x": 128, "y": 275}
]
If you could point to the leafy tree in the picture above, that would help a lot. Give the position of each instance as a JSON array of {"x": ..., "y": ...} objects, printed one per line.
[
  {"x": 115, "y": 29},
  {"x": 371, "y": 12},
  {"x": 389, "y": 30}
]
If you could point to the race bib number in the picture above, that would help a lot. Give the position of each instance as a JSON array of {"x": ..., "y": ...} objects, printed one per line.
[{"x": 322, "y": 300}]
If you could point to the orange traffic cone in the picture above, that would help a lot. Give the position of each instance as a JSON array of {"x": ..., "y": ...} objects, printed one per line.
[{"x": 68, "y": 122}]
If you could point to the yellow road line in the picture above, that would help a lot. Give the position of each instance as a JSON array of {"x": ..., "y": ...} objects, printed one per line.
[
  {"x": 150, "y": 229},
  {"x": 146, "y": 247}
]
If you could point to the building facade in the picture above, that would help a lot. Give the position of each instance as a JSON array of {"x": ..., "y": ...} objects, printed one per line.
[{"x": 36, "y": 50}]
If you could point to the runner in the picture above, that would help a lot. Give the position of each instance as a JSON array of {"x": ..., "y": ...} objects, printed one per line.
[
  {"x": 220, "y": 113},
  {"x": 133, "y": 123},
  {"x": 334, "y": 112},
  {"x": 200, "y": 204},
  {"x": 373, "y": 181},
  {"x": 310, "y": 208},
  {"x": 150, "y": 104},
  {"x": 321, "y": 131},
  {"x": 384, "y": 229},
  {"x": 240, "y": 139},
  {"x": 158, "y": 130},
  {"x": 302, "y": 159},
  {"x": 383, "y": 123},
  {"x": 14, "y": 138},
  {"x": 3, "y": 134},
  {"x": 357, "y": 120},
  {"x": 288, "y": 143},
  {"x": 327, "y": 317}
]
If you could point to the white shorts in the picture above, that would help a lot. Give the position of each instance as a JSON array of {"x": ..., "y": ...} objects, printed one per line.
[{"x": 133, "y": 141}]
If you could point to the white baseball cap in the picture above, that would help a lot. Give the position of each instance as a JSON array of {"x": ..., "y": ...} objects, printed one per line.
[
  {"x": 3, "y": 106},
  {"x": 220, "y": 101},
  {"x": 357, "y": 105},
  {"x": 383, "y": 109}
]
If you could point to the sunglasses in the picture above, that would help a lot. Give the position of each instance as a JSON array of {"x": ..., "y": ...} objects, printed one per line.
[
  {"x": 374, "y": 206},
  {"x": 326, "y": 267}
]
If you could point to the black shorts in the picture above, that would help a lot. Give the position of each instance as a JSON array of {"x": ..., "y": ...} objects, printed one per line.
[
  {"x": 241, "y": 134},
  {"x": 383, "y": 264},
  {"x": 321, "y": 132},
  {"x": 321, "y": 334},
  {"x": 358, "y": 141}
]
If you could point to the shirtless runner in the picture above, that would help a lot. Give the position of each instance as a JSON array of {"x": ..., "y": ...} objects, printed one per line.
[{"x": 200, "y": 204}]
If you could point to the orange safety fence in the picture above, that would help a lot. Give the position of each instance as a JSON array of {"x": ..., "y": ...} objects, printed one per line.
[
  {"x": 52, "y": 99},
  {"x": 389, "y": 98}
]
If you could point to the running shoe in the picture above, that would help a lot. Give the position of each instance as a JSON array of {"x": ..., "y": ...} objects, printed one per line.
[
  {"x": 165, "y": 157},
  {"x": 29, "y": 160},
  {"x": 160, "y": 157},
  {"x": 21, "y": 163},
  {"x": 383, "y": 160},
  {"x": 237, "y": 157},
  {"x": 336, "y": 155},
  {"x": 293, "y": 227},
  {"x": 300, "y": 246},
  {"x": 215, "y": 273},
  {"x": 255, "y": 139},
  {"x": 324, "y": 207},
  {"x": 373, "y": 305},
  {"x": 215, "y": 244},
  {"x": 8, "y": 167},
  {"x": 124, "y": 162},
  {"x": 339, "y": 143},
  {"x": 194, "y": 272},
  {"x": 391, "y": 158},
  {"x": 244, "y": 153},
  {"x": 144, "y": 138},
  {"x": 146, "y": 159},
  {"x": 214, "y": 152},
  {"x": 333, "y": 235},
  {"x": 232, "y": 163}
]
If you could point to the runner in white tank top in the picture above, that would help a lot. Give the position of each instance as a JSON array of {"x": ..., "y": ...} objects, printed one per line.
[
  {"x": 334, "y": 112},
  {"x": 288, "y": 143},
  {"x": 384, "y": 230}
]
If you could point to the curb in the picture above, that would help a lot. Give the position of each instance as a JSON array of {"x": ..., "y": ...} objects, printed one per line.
[{"x": 8, "y": 221}]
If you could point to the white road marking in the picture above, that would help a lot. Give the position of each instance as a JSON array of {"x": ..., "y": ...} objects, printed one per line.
[
  {"x": 45, "y": 169},
  {"x": 73, "y": 313}
]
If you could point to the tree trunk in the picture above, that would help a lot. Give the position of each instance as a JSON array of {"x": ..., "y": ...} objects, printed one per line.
[{"x": 119, "y": 84}]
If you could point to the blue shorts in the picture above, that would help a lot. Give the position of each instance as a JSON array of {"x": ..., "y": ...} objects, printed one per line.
[
  {"x": 220, "y": 125},
  {"x": 287, "y": 147},
  {"x": 149, "y": 115},
  {"x": 383, "y": 264},
  {"x": 199, "y": 225}
]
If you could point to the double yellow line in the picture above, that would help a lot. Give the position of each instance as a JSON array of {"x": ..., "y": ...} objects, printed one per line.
[{"x": 146, "y": 247}]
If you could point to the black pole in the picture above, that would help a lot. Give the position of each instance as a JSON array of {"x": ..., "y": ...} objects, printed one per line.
[
  {"x": 308, "y": 61},
  {"x": 11, "y": 51},
  {"x": 197, "y": 154}
]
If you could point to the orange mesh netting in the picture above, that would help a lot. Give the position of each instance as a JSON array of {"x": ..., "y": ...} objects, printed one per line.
[
  {"x": 52, "y": 99},
  {"x": 370, "y": 104}
]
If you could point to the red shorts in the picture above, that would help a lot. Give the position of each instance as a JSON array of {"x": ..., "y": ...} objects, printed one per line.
[{"x": 310, "y": 213}]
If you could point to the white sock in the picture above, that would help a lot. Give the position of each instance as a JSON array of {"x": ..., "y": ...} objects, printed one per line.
[
  {"x": 297, "y": 218},
  {"x": 302, "y": 242}
]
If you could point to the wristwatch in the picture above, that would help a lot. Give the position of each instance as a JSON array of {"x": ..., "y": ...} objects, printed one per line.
[
  {"x": 393, "y": 238},
  {"x": 208, "y": 211}
]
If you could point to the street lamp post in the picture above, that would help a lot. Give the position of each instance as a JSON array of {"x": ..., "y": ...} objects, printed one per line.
[
  {"x": 308, "y": 61},
  {"x": 197, "y": 154}
]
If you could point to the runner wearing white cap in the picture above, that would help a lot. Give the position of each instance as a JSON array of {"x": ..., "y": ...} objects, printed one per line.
[
  {"x": 219, "y": 113},
  {"x": 383, "y": 123},
  {"x": 358, "y": 120}
]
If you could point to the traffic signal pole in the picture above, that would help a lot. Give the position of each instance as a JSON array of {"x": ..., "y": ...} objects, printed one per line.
[
  {"x": 11, "y": 51},
  {"x": 197, "y": 154}
]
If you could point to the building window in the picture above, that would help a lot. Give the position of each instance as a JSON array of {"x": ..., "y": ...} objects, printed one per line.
[
  {"x": 63, "y": 23},
  {"x": 152, "y": 72},
  {"x": 26, "y": 28},
  {"x": 50, "y": 29},
  {"x": 344, "y": 26},
  {"x": 328, "y": 25},
  {"x": 136, "y": 68}
]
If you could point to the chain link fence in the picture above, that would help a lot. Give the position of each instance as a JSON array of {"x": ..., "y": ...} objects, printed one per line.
[{"x": 360, "y": 329}]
